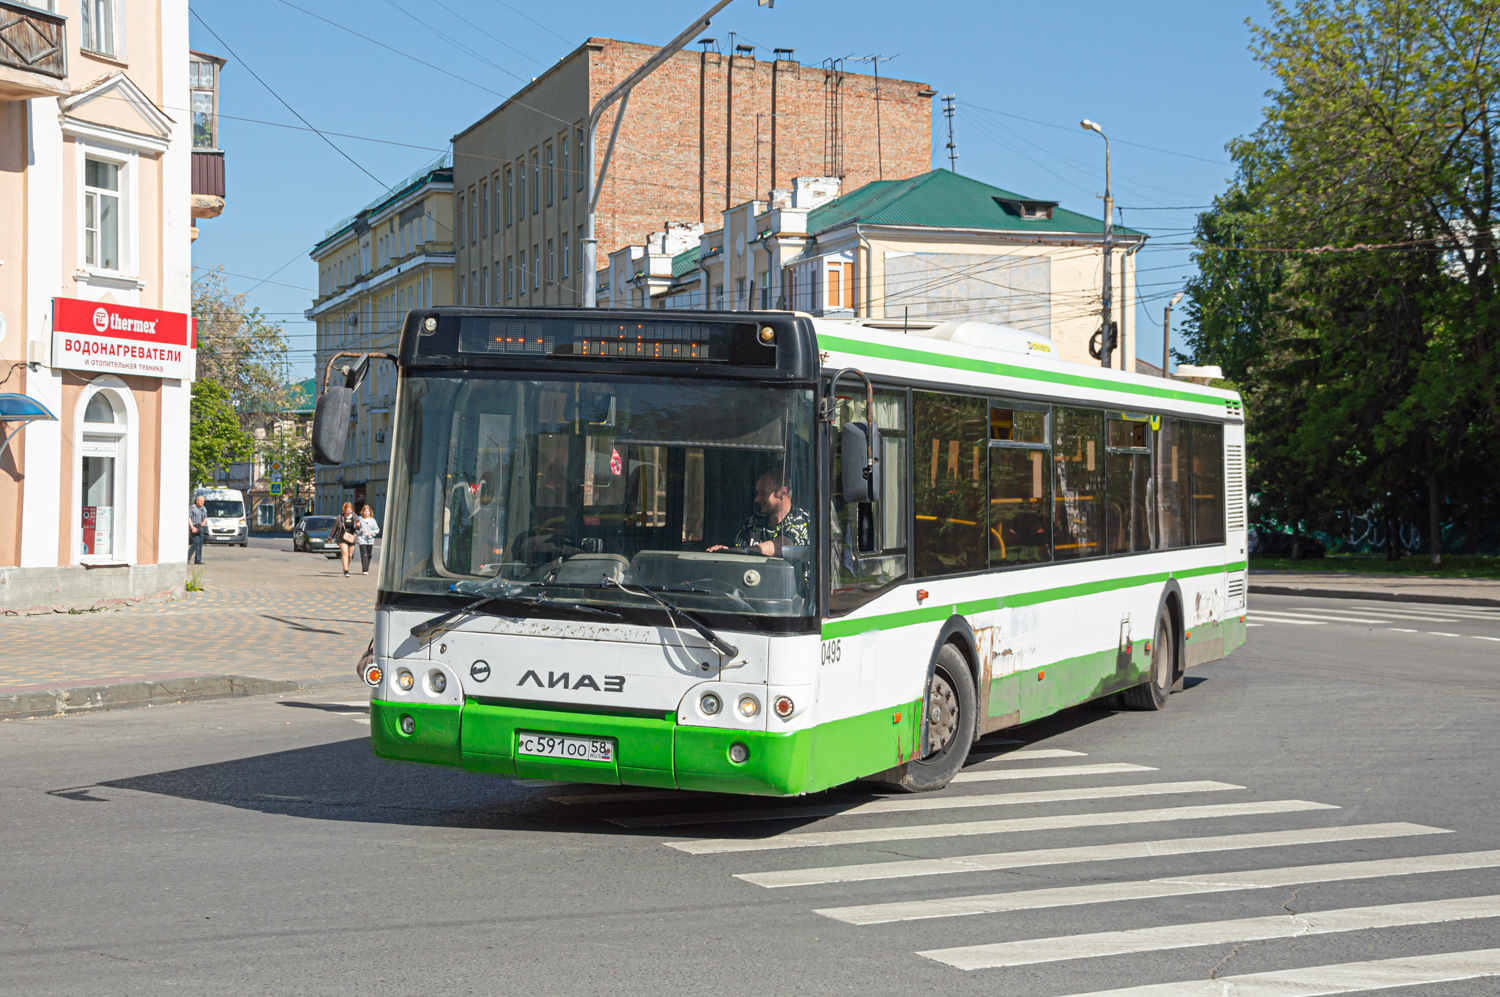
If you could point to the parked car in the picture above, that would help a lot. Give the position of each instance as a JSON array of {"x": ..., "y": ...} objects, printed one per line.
[
  {"x": 311, "y": 534},
  {"x": 1264, "y": 543}
]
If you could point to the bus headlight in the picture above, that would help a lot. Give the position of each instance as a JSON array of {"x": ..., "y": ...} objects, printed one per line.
[
  {"x": 749, "y": 706},
  {"x": 783, "y": 706},
  {"x": 710, "y": 704},
  {"x": 437, "y": 681},
  {"x": 405, "y": 680}
]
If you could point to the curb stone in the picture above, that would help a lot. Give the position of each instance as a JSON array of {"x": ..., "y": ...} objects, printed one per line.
[
  {"x": 130, "y": 695},
  {"x": 1376, "y": 595}
]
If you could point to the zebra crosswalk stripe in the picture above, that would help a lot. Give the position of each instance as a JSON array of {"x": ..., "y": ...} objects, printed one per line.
[
  {"x": 1316, "y": 981},
  {"x": 1051, "y": 771},
  {"x": 910, "y": 832},
  {"x": 1087, "y": 853},
  {"x": 909, "y": 804},
  {"x": 1223, "y": 882},
  {"x": 1178, "y": 936}
]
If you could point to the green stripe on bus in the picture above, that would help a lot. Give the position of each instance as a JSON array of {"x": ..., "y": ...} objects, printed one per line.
[
  {"x": 942, "y": 611},
  {"x": 908, "y": 355}
]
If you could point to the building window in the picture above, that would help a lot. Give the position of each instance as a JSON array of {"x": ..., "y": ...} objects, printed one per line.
[
  {"x": 581, "y": 249},
  {"x": 551, "y": 272},
  {"x": 98, "y": 26},
  {"x": 205, "y": 93},
  {"x": 583, "y": 164},
  {"x": 462, "y": 210},
  {"x": 510, "y": 189},
  {"x": 484, "y": 206},
  {"x": 549, "y": 174},
  {"x": 536, "y": 267},
  {"x": 562, "y": 142},
  {"x": 265, "y": 514},
  {"x": 565, "y": 270},
  {"x": 99, "y": 468},
  {"x": 521, "y": 188},
  {"x": 463, "y": 291},
  {"x": 510, "y": 277},
  {"x": 719, "y": 297},
  {"x": 523, "y": 271},
  {"x": 484, "y": 280},
  {"x": 101, "y": 214},
  {"x": 536, "y": 181},
  {"x": 473, "y": 217},
  {"x": 474, "y": 287},
  {"x": 495, "y": 206}
]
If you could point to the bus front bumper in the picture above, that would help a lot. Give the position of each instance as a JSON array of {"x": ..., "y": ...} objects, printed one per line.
[{"x": 654, "y": 752}]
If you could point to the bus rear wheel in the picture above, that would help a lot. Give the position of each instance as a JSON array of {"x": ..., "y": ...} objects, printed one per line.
[
  {"x": 1152, "y": 694},
  {"x": 950, "y": 711}
]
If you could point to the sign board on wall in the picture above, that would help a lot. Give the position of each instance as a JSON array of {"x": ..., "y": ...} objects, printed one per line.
[{"x": 120, "y": 339}]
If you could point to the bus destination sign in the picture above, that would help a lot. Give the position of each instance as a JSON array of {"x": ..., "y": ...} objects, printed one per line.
[{"x": 698, "y": 342}]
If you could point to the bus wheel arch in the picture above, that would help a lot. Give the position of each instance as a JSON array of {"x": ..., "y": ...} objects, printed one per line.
[
  {"x": 1171, "y": 602},
  {"x": 951, "y": 691},
  {"x": 1163, "y": 676}
]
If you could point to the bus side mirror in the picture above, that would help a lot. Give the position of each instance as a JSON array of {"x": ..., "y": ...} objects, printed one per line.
[
  {"x": 859, "y": 452},
  {"x": 331, "y": 424}
]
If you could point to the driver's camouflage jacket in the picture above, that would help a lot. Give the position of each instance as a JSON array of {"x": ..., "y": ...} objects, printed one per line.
[{"x": 794, "y": 530}]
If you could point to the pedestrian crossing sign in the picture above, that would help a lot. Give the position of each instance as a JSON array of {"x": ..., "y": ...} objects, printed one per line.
[{"x": 275, "y": 488}]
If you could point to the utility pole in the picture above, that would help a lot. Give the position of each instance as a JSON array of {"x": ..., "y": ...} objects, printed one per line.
[
  {"x": 874, "y": 60},
  {"x": 1166, "y": 335},
  {"x": 952, "y": 149},
  {"x": 621, "y": 93},
  {"x": 1105, "y": 358}
]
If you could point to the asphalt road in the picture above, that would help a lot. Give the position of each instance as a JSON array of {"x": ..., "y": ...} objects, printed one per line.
[{"x": 248, "y": 847}]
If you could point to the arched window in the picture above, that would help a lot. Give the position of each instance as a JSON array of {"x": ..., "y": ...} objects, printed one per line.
[{"x": 100, "y": 475}]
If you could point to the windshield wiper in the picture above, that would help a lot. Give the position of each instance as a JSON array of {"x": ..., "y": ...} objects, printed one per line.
[
  {"x": 719, "y": 644},
  {"x": 425, "y": 632}
]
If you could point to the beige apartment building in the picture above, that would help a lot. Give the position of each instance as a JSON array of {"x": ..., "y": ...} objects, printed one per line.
[
  {"x": 705, "y": 131},
  {"x": 394, "y": 255},
  {"x": 924, "y": 250},
  {"x": 98, "y": 120}
]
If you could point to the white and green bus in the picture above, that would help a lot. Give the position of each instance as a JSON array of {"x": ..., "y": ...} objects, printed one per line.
[{"x": 759, "y": 552}]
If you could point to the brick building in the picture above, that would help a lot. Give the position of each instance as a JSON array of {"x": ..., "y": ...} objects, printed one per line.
[{"x": 705, "y": 132}]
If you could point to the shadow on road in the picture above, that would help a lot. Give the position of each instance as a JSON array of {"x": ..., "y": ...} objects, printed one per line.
[{"x": 344, "y": 781}]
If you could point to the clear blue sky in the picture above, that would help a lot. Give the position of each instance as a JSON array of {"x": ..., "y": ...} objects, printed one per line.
[{"x": 1171, "y": 74}]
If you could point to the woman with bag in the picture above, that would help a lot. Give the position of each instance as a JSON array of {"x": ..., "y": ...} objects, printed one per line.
[
  {"x": 369, "y": 529},
  {"x": 345, "y": 533}
]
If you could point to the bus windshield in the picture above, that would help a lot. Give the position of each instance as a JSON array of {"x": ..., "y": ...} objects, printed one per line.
[{"x": 612, "y": 492}]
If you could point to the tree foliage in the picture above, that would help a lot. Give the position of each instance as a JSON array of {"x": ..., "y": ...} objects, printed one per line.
[
  {"x": 217, "y": 438},
  {"x": 1348, "y": 275},
  {"x": 239, "y": 348}
]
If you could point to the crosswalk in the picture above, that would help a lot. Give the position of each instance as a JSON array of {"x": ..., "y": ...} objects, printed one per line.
[
  {"x": 1423, "y": 619},
  {"x": 1133, "y": 819}
]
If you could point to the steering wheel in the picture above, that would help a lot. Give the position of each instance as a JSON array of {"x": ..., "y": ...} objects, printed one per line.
[{"x": 539, "y": 552}]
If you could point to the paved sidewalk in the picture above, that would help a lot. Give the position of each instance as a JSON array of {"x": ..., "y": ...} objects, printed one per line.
[
  {"x": 1403, "y": 588},
  {"x": 265, "y": 613}
]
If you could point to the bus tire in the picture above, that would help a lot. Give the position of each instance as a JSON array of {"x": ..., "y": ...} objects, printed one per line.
[
  {"x": 1152, "y": 694},
  {"x": 950, "y": 707}
]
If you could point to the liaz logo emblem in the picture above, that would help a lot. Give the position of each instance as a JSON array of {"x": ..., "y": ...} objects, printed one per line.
[
  {"x": 612, "y": 683},
  {"x": 101, "y": 320},
  {"x": 479, "y": 671}
]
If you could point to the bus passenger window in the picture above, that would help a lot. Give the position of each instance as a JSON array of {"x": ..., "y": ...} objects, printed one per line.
[
  {"x": 1020, "y": 488},
  {"x": 1173, "y": 442},
  {"x": 858, "y": 578},
  {"x": 1208, "y": 483},
  {"x": 950, "y": 484},
  {"x": 1127, "y": 461},
  {"x": 1077, "y": 483}
]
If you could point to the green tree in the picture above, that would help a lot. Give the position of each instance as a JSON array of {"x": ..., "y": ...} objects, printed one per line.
[
  {"x": 216, "y": 439},
  {"x": 241, "y": 349}
]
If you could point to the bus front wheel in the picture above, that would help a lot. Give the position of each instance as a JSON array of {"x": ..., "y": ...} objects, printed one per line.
[
  {"x": 1152, "y": 694},
  {"x": 950, "y": 710}
]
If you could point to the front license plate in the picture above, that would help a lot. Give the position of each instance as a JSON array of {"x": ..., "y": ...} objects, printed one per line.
[{"x": 585, "y": 749}]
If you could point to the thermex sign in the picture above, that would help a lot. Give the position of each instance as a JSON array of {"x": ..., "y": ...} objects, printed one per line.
[{"x": 119, "y": 339}]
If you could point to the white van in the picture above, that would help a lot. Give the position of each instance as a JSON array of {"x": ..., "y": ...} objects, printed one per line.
[{"x": 226, "y": 516}]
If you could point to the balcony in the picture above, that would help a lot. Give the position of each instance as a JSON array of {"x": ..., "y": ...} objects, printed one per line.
[
  {"x": 208, "y": 182},
  {"x": 33, "y": 52}
]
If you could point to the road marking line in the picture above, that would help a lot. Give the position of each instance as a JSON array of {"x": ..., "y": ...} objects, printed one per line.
[
  {"x": 1300, "y": 615},
  {"x": 1103, "y": 768},
  {"x": 1174, "y": 886},
  {"x": 1345, "y": 978},
  {"x": 1427, "y": 617},
  {"x": 1240, "y": 930},
  {"x": 1254, "y": 624},
  {"x": 908, "y": 804},
  {"x": 1026, "y": 754},
  {"x": 1438, "y": 633},
  {"x": 1278, "y": 619},
  {"x": 996, "y": 861},
  {"x": 1477, "y": 637},
  {"x": 1403, "y": 630},
  {"x": 823, "y": 839}
]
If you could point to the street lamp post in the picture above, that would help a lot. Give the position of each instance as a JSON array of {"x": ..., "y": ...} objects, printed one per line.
[
  {"x": 621, "y": 93},
  {"x": 1166, "y": 335},
  {"x": 1105, "y": 353}
]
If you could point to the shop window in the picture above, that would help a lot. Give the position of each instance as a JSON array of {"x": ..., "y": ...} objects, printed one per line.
[
  {"x": 950, "y": 484},
  {"x": 1077, "y": 483},
  {"x": 1020, "y": 485},
  {"x": 99, "y": 473}
]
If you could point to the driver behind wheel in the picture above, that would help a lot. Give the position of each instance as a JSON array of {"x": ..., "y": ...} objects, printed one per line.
[{"x": 777, "y": 521}]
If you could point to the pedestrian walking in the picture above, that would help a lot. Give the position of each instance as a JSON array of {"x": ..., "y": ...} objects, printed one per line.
[
  {"x": 197, "y": 527},
  {"x": 345, "y": 533},
  {"x": 369, "y": 529}
]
